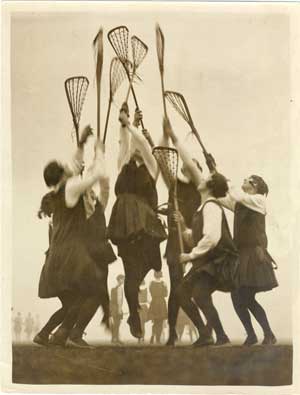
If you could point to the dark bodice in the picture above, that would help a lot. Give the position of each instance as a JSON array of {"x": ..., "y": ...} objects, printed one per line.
[
  {"x": 225, "y": 244},
  {"x": 67, "y": 222},
  {"x": 137, "y": 180},
  {"x": 188, "y": 201},
  {"x": 249, "y": 227}
]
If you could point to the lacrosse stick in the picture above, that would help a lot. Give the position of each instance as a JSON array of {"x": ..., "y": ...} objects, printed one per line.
[
  {"x": 139, "y": 52},
  {"x": 76, "y": 88},
  {"x": 98, "y": 48},
  {"x": 178, "y": 102},
  {"x": 168, "y": 158},
  {"x": 118, "y": 38},
  {"x": 160, "y": 48},
  {"x": 116, "y": 77}
]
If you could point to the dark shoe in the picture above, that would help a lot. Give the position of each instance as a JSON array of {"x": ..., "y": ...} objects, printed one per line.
[
  {"x": 222, "y": 341},
  {"x": 251, "y": 340},
  {"x": 204, "y": 341},
  {"x": 41, "y": 339},
  {"x": 59, "y": 338},
  {"x": 269, "y": 339},
  {"x": 79, "y": 343},
  {"x": 135, "y": 326}
]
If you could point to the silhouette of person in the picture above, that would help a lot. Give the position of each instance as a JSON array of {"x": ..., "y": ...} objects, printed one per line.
[
  {"x": 17, "y": 327},
  {"x": 158, "y": 306},
  {"x": 116, "y": 310},
  {"x": 29, "y": 325},
  {"x": 144, "y": 307}
]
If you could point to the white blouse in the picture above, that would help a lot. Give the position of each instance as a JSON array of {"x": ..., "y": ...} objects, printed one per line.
[
  {"x": 212, "y": 230},
  {"x": 255, "y": 202}
]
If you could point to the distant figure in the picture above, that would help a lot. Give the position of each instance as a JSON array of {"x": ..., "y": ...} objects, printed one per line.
[
  {"x": 116, "y": 304},
  {"x": 183, "y": 321},
  {"x": 37, "y": 323},
  {"x": 158, "y": 307},
  {"x": 144, "y": 308},
  {"x": 29, "y": 325},
  {"x": 17, "y": 327}
]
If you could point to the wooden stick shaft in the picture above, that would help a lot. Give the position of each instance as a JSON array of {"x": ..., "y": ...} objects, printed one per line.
[
  {"x": 107, "y": 118},
  {"x": 179, "y": 230},
  {"x": 163, "y": 93},
  {"x": 98, "y": 108},
  {"x": 77, "y": 132}
]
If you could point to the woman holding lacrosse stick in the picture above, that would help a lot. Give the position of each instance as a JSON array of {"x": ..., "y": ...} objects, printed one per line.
[
  {"x": 46, "y": 211},
  {"x": 69, "y": 272},
  {"x": 256, "y": 272},
  {"x": 134, "y": 225},
  {"x": 213, "y": 254},
  {"x": 188, "y": 201}
]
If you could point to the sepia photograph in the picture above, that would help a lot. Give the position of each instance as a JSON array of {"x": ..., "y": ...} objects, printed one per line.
[{"x": 149, "y": 184}]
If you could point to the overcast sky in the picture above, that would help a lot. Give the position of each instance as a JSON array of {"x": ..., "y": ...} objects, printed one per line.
[{"x": 233, "y": 69}]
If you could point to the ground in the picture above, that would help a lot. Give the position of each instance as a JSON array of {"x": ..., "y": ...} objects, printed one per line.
[{"x": 234, "y": 365}]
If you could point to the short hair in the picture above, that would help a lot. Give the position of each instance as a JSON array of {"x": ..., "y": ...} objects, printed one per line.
[
  {"x": 218, "y": 185},
  {"x": 46, "y": 209},
  {"x": 260, "y": 185},
  {"x": 53, "y": 173}
]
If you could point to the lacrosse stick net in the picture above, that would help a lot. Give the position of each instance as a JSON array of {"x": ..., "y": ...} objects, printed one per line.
[
  {"x": 167, "y": 158},
  {"x": 76, "y": 89},
  {"x": 178, "y": 102},
  {"x": 118, "y": 38},
  {"x": 139, "y": 52},
  {"x": 117, "y": 75}
]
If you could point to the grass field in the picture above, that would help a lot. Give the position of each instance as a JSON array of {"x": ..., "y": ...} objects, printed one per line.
[{"x": 234, "y": 365}]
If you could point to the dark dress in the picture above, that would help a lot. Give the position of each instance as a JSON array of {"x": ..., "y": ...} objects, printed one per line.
[
  {"x": 158, "y": 306},
  {"x": 95, "y": 236},
  {"x": 221, "y": 262},
  {"x": 256, "y": 265},
  {"x": 189, "y": 200},
  {"x": 68, "y": 265},
  {"x": 134, "y": 216}
]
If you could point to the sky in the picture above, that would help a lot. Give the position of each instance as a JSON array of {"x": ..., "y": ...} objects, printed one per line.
[{"x": 233, "y": 69}]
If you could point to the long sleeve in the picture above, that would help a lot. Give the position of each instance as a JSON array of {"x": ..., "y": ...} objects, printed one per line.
[
  {"x": 212, "y": 231},
  {"x": 140, "y": 142},
  {"x": 255, "y": 202},
  {"x": 228, "y": 202},
  {"x": 124, "y": 147},
  {"x": 196, "y": 173}
]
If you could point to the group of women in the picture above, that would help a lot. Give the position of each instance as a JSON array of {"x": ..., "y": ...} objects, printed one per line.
[{"x": 76, "y": 265}]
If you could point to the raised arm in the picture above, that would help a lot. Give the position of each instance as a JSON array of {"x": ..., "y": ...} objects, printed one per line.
[
  {"x": 255, "y": 202},
  {"x": 77, "y": 163},
  {"x": 138, "y": 140},
  {"x": 76, "y": 185},
  {"x": 196, "y": 173}
]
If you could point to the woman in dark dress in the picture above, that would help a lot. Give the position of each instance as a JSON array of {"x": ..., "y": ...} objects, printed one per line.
[
  {"x": 256, "y": 271},
  {"x": 189, "y": 200},
  {"x": 54, "y": 173},
  {"x": 70, "y": 272},
  {"x": 134, "y": 225},
  {"x": 212, "y": 252},
  {"x": 158, "y": 312}
]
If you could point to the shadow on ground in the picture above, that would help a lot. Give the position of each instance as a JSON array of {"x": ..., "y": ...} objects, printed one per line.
[{"x": 234, "y": 365}]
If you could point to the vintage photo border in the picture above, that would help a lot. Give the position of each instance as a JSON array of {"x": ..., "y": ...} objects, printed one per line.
[{"x": 8, "y": 8}]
